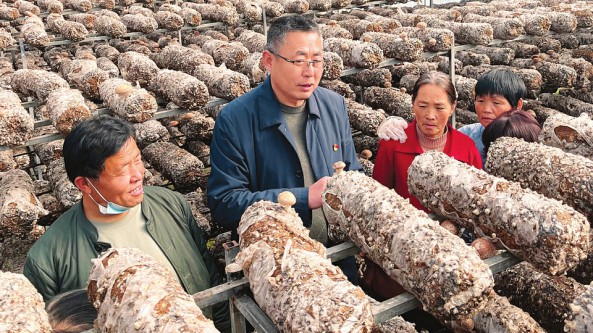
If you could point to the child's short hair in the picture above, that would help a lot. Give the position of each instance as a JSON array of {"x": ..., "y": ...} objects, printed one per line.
[
  {"x": 503, "y": 82},
  {"x": 71, "y": 312}
]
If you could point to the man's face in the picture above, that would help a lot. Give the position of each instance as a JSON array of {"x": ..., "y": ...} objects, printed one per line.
[
  {"x": 293, "y": 85},
  {"x": 488, "y": 107},
  {"x": 121, "y": 180}
]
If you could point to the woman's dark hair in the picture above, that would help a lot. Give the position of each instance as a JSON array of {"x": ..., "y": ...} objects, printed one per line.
[
  {"x": 503, "y": 82},
  {"x": 93, "y": 141},
  {"x": 71, "y": 312},
  {"x": 439, "y": 79},
  {"x": 516, "y": 124},
  {"x": 285, "y": 24}
]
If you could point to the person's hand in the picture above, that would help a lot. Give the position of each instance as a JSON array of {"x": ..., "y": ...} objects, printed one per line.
[
  {"x": 393, "y": 129},
  {"x": 315, "y": 191}
]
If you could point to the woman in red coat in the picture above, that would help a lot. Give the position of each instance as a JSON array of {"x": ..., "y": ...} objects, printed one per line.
[{"x": 433, "y": 101}]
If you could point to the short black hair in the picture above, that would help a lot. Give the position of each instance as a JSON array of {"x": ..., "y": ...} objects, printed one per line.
[
  {"x": 285, "y": 24},
  {"x": 71, "y": 312},
  {"x": 503, "y": 82},
  {"x": 91, "y": 142},
  {"x": 516, "y": 124}
]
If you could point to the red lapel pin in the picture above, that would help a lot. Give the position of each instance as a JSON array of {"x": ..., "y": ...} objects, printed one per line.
[{"x": 336, "y": 147}]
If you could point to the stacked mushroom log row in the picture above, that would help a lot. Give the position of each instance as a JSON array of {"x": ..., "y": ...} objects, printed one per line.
[
  {"x": 448, "y": 277},
  {"x": 291, "y": 278},
  {"x": 132, "y": 292}
]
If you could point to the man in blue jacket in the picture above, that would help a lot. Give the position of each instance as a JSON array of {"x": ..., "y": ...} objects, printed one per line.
[{"x": 283, "y": 135}]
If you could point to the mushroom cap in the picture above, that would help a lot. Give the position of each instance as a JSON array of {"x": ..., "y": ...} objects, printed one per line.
[{"x": 286, "y": 199}]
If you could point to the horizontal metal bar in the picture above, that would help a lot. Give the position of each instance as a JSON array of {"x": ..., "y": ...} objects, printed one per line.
[{"x": 220, "y": 293}]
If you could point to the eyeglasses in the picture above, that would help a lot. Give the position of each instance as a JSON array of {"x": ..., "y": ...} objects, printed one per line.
[{"x": 302, "y": 64}]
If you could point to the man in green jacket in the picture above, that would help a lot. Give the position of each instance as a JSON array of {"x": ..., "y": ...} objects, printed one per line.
[{"x": 104, "y": 162}]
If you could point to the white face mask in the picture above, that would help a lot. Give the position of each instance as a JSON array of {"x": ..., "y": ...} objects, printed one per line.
[{"x": 111, "y": 208}]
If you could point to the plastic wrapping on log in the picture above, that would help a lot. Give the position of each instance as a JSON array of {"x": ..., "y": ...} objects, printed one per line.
[
  {"x": 358, "y": 27},
  {"x": 534, "y": 24},
  {"x": 497, "y": 55},
  {"x": 184, "y": 90},
  {"x": 7, "y": 162},
  {"x": 196, "y": 126},
  {"x": 502, "y": 28},
  {"x": 253, "y": 68},
  {"x": 380, "y": 77},
  {"x": 333, "y": 30},
  {"x": 394, "y": 325},
  {"x": 546, "y": 298},
  {"x": 288, "y": 271},
  {"x": 132, "y": 292},
  {"x": 213, "y": 12},
  {"x": 8, "y": 13},
  {"x": 185, "y": 170},
  {"x": 550, "y": 235},
  {"x": 85, "y": 74},
  {"x": 251, "y": 11},
  {"x": 571, "y": 134},
  {"x": 19, "y": 207},
  {"x": 332, "y": 66},
  {"x": 522, "y": 50},
  {"x": 469, "y": 58},
  {"x": 136, "y": 67},
  {"x": 33, "y": 31},
  {"x": 294, "y": 6},
  {"x": 37, "y": 83},
  {"x": 447, "y": 276},
  {"x": 107, "y": 65},
  {"x": 355, "y": 53},
  {"x": 139, "y": 22},
  {"x": 340, "y": 87},
  {"x": 181, "y": 58},
  {"x": 126, "y": 101},
  {"x": 222, "y": 82},
  {"x": 582, "y": 310},
  {"x": 253, "y": 41},
  {"x": 149, "y": 132},
  {"x": 230, "y": 54},
  {"x": 199, "y": 149},
  {"x": 500, "y": 316},
  {"x": 394, "y": 46},
  {"x": 568, "y": 105},
  {"x": 168, "y": 20},
  {"x": 21, "y": 306},
  {"x": 26, "y": 6},
  {"x": 364, "y": 118},
  {"x": 547, "y": 170},
  {"x": 88, "y": 20},
  {"x": 197, "y": 204},
  {"x": 434, "y": 39},
  {"x": 49, "y": 151},
  {"x": 466, "y": 33},
  {"x": 6, "y": 40},
  {"x": 394, "y": 101},
  {"x": 272, "y": 9},
  {"x": 66, "y": 109},
  {"x": 557, "y": 75},
  {"x": 63, "y": 188},
  {"x": 16, "y": 125},
  {"x": 106, "y": 24}
]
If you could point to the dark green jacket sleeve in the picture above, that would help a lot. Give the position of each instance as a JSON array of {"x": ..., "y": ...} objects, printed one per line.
[
  {"x": 221, "y": 316},
  {"x": 43, "y": 282}
]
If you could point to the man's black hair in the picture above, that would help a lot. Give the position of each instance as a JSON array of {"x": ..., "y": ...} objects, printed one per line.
[
  {"x": 285, "y": 24},
  {"x": 503, "y": 82},
  {"x": 93, "y": 141}
]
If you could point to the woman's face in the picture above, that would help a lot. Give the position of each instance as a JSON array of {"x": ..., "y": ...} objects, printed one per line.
[{"x": 432, "y": 110}]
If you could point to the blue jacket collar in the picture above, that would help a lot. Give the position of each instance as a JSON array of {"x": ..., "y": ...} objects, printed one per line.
[{"x": 269, "y": 108}]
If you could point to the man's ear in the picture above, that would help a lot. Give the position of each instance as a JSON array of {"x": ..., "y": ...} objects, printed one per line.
[
  {"x": 520, "y": 104},
  {"x": 82, "y": 184},
  {"x": 266, "y": 59}
]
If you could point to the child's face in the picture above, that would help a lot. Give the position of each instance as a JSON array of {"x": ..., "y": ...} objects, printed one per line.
[{"x": 488, "y": 107}]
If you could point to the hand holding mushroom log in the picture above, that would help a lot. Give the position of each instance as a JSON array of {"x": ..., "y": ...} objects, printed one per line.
[
  {"x": 291, "y": 280},
  {"x": 133, "y": 293},
  {"x": 543, "y": 231},
  {"x": 21, "y": 306},
  {"x": 448, "y": 277}
]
